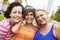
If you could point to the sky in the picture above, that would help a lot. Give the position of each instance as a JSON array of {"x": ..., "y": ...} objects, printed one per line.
[{"x": 42, "y": 4}]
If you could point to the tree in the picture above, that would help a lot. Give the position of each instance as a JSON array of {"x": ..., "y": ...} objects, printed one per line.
[
  {"x": 56, "y": 16},
  {"x": 5, "y": 1}
]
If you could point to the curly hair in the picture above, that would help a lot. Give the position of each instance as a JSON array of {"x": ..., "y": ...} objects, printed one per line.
[
  {"x": 10, "y": 7},
  {"x": 28, "y": 9}
]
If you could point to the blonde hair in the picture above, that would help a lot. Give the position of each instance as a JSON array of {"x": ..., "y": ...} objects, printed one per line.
[{"x": 42, "y": 10}]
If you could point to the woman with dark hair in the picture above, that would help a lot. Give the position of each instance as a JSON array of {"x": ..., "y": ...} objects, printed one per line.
[
  {"x": 13, "y": 15},
  {"x": 26, "y": 31}
]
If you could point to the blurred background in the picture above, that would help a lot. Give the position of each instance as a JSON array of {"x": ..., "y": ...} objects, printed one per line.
[{"x": 51, "y": 6}]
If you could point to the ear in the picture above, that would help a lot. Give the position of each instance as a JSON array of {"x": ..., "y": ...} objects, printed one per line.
[{"x": 10, "y": 14}]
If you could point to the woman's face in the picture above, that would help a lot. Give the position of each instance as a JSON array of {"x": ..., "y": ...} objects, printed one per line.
[
  {"x": 16, "y": 14},
  {"x": 29, "y": 17},
  {"x": 41, "y": 17}
]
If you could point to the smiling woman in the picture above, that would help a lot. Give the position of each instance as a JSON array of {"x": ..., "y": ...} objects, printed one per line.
[
  {"x": 26, "y": 31},
  {"x": 12, "y": 15},
  {"x": 46, "y": 29}
]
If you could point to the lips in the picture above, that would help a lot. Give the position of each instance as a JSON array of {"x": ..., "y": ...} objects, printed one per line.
[
  {"x": 29, "y": 20},
  {"x": 40, "y": 21},
  {"x": 16, "y": 19}
]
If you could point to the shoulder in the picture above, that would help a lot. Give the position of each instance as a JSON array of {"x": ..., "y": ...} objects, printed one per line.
[
  {"x": 57, "y": 26},
  {"x": 57, "y": 30},
  {"x": 4, "y": 25},
  {"x": 4, "y": 22}
]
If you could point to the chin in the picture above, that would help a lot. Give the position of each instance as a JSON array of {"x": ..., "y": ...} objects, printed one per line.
[
  {"x": 42, "y": 23},
  {"x": 29, "y": 22},
  {"x": 16, "y": 21}
]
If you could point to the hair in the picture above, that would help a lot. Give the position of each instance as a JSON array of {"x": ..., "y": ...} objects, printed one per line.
[
  {"x": 10, "y": 7},
  {"x": 28, "y": 9},
  {"x": 42, "y": 10}
]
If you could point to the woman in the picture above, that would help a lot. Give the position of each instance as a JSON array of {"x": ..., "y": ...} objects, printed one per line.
[
  {"x": 13, "y": 15},
  {"x": 46, "y": 30},
  {"x": 26, "y": 31}
]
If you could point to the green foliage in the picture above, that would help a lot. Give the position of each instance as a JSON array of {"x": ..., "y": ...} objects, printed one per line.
[
  {"x": 56, "y": 16},
  {"x": 5, "y": 1},
  {"x": 52, "y": 17},
  {"x": 20, "y": 1},
  {"x": 1, "y": 17}
]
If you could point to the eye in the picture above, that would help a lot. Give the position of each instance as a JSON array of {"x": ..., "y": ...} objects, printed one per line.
[
  {"x": 31, "y": 14},
  {"x": 41, "y": 15},
  {"x": 14, "y": 12},
  {"x": 27, "y": 14},
  {"x": 37, "y": 17},
  {"x": 20, "y": 12}
]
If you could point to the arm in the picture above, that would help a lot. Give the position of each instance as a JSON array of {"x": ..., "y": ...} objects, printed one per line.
[
  {"x": 57, "y": 31},
  {"x": 16, "y": 27}
]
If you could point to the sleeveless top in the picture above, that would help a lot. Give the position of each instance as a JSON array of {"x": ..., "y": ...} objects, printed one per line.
[
  {"x": 24, "y": 34},
  {"x": 49, "y": 36}
]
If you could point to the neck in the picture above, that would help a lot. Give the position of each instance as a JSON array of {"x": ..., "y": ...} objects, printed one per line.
[
  {"x": 28, "y": 24},
  {"x": 12, "y": 22},
  {"x": 44, "y": 29},
  {"x": 44, "y": 26}
]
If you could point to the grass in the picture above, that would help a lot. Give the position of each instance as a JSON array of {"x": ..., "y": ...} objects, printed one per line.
[{"x": 1, "y": 17}]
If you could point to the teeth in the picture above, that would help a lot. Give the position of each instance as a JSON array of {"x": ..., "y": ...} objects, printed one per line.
[{"x": 17, "y": 18}]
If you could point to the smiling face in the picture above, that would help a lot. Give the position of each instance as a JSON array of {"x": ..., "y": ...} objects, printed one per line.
[
  {"x": 16, "y": 14},
  {"x": 29, "y": 17},
  {"x": 41, "y": 17}
]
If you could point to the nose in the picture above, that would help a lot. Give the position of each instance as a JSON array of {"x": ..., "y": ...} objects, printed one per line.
[
  {"x": 40, "y": 17},
  {"x": 17, "y": 14},
  {"x": 29, "y": 16}
]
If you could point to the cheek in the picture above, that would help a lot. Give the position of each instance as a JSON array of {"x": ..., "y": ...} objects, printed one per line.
[
  {"x": 45, "y": 19},
  {"x": 45, "y": 16},
  {"x": 11, "y": 15},
  {"x": 37, "y": 19},
  {"x": 20, "y": 15},
  {"x": 26, "y": 17},
  {"x": 32, "y": 17}
]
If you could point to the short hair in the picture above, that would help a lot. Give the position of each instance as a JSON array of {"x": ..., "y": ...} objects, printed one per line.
[
  {"x": 42, "y": 10},
  {"x": 28, "y": 9},
  {"x": 10, "y": 7}
]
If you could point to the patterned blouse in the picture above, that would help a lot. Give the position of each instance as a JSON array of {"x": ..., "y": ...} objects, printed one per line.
[{"x": 5, "y": 30}]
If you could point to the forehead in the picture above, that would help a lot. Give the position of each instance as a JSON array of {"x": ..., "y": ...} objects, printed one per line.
[
  {"x": 30, "y": 13},
  {"x": 17, "y": 8},
  {"x": 40, "y": 12}
]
